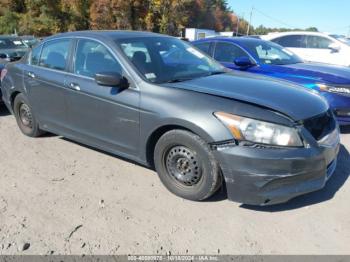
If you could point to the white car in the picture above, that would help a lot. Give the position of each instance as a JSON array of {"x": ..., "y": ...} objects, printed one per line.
[{"x": 314, "y": 46}]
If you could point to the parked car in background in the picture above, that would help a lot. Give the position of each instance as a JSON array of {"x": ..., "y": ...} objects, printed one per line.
[
  {"x": 314, "y": 46},
  {"x": 12, "y": 48},
  {"x": 29, "y": 40},
  {"x": 267, "y": 58},
  {"x": 196, "y": 122}
]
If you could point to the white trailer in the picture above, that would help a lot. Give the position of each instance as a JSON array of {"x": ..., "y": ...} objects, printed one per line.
[{"x": 193, "y": 34}]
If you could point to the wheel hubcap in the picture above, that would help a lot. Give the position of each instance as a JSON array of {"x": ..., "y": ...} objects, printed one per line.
[
  {"x": 25, "y": 115},
  {"x": 183, "y": 165}
]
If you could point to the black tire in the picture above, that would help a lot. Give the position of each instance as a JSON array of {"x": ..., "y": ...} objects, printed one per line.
[
  {"x": 186, "y": 166},
  {"x": 25, "y": 118}
]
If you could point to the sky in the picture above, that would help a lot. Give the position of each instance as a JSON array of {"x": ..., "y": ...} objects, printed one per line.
[{"x": 331, "y": 16}]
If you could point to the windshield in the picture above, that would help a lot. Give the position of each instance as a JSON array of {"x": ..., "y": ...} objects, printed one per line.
[
  {"x": 165, "y": 59},
  {"x": 11, "y": 43},
  {"x": 271, "y": 53}
]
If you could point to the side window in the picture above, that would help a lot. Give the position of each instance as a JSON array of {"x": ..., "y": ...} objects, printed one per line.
[
  {"x": 35, "y": 55},
  {"x": 55, "y": 54},
  {"x": 136, "y": 49},
  {"x": 318, "y": 42},
  {"x": 226, "y": 52},
  {"x": 139, "y": 55},
  {"x": 205, "y": 47},
  {"x": 296, "y": 41},
  {"x": 92, "y": 58}
]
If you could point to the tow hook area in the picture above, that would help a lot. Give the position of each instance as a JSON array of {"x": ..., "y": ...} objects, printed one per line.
[{"x": 223, "y": 145}]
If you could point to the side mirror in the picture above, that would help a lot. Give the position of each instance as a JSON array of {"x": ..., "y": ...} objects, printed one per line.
[
  {"x": 243, "y": 61},
  {"x": 110, "y": 79},
  {"x": 334, "y": 47},
  {"x": 3, "y": 56}
]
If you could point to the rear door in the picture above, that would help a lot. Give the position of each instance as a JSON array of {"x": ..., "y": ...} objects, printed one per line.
[
  {"x": 102, "y": 116},
  {"x": 295, "y": 43},
  {"x": 44, "y": 79},
  {"x": 205, "y": 47},
  {"x": 319, "y": 50}
]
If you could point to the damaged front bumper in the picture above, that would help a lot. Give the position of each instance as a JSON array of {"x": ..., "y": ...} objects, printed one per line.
[{"x": 266, "y": 176}]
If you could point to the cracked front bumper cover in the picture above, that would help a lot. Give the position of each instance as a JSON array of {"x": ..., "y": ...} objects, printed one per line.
[{"x": 266, "y": 176}]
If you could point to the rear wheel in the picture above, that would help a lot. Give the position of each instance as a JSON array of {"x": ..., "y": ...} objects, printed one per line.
[
  {"x": 25, "y": 118},
  {"x": 186, "y": 165}
]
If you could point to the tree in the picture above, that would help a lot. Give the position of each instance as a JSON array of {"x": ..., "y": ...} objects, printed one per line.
[
  {"x": 262, "y": 30},
  {"x": 77, "y": 14},
  {"x": 311, "y": 29},
  {"x": 212, "y": 14},
  {"x": 101, "y": 15},
  {"x": 45, "y": 17},
  {"x": 9, "y": 22},
  {"x": 167, "y": 16}
]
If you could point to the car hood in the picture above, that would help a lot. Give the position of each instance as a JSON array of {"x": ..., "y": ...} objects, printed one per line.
[
  {"x": 292, "y": 100},
  {"x": 311, "y": 72}
]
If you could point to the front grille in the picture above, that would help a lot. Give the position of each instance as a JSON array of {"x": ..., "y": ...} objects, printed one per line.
[{"x": 321, "y": 125}]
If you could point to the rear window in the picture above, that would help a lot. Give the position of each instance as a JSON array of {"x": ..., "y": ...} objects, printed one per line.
[
  {"x": 54, "y": 54},
  {"x": 318, "y": 42}
]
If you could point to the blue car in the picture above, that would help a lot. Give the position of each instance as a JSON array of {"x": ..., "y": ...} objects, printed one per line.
[{"x": 267, "y": 58}]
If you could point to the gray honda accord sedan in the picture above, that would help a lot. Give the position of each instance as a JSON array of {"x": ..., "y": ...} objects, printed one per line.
[{"x": 161, "y": 102}]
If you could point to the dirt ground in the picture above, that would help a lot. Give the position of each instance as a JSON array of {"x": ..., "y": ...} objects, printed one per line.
[{"x": 58, "y": 197}]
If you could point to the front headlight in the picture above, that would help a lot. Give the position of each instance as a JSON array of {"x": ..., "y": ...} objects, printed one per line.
[
  {"x": 247, "y": 129},
  {"x": 333, "y": 89}
]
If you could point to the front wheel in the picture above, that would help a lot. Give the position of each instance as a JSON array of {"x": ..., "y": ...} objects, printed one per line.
[
  {"x": 186, "y": 165},
  {"x": 25, "y": 118}
]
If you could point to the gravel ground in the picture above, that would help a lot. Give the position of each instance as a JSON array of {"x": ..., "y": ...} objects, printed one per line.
[{"x": 58, "y": 197}]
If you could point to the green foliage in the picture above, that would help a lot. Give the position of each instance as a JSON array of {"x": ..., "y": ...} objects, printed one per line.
[
  {"x": 311, "y": 29},
  {"x": 46, "y": 17},
  {"x": 262, "y": 30},
  {"x": 8, "y": 22}
]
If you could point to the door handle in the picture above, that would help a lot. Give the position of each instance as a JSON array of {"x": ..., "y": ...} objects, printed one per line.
[
  {"x": 31, "y": 74},
  {"x": 74, "y": 86}
]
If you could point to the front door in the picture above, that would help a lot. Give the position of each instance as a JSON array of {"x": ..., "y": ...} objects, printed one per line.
[
  {"x": 226, "y": 53},
  {"x": 103, "y": 116}
]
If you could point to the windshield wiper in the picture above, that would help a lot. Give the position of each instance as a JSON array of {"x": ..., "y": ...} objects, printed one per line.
[
  {"x": 216, "y": 73},
  {"x": 177, "y": 80}
]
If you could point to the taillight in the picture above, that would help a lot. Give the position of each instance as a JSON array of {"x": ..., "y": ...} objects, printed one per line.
[{"x": 3, "y": 74}]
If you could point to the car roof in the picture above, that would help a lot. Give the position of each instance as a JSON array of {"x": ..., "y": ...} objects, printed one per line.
[
  {"x": 237, "y": 40},
  {"x": 279, "y": 34},
  {"x": 111, "y": 34}
]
